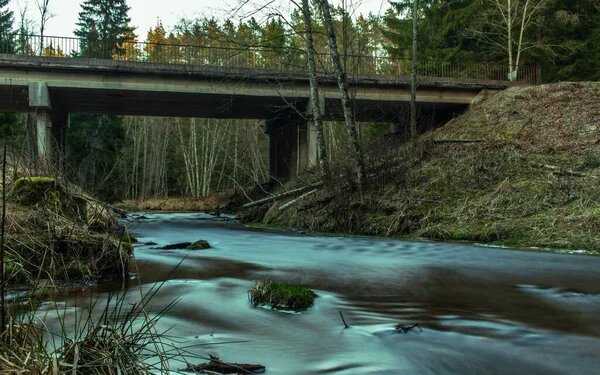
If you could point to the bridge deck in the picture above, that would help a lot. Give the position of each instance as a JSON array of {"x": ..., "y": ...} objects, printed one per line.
[{"x": 141, "y": 88}]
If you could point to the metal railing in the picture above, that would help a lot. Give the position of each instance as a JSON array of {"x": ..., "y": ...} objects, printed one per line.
[{"x": 283, "y": 60}]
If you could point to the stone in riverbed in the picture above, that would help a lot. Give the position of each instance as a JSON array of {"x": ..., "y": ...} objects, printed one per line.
[
  {"x": 176, "y": 246},
  {"x": 199, "y": 245}
]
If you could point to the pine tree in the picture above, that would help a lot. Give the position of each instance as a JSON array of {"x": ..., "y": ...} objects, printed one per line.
[
  {"x": 6, "y": 25},
  {"x": 103, "y": 27}
]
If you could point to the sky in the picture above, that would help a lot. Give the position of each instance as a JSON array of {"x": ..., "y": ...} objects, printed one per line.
[{"x": 146, "y": 13}]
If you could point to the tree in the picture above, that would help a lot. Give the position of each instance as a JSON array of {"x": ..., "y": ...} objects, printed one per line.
[
  {"x": 6, "y": 27},
  {"x": 506, "y": 25},
  {"x": 413, "y": 76},
  {"x": 344, "y": 96},
  {"x": 103, "y": 27},
  {"x": 45, "y": 16},
  {"x": 314, "y": 90}
]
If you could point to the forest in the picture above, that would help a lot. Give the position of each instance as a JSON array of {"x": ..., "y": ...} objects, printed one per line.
[{"x": 121, "y": 157}]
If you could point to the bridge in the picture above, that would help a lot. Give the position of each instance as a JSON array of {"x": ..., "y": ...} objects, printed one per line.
[{"x": 38, "y": 76}]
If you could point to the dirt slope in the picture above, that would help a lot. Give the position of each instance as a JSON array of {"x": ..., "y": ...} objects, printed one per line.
[{"x": 530, "y": 178}]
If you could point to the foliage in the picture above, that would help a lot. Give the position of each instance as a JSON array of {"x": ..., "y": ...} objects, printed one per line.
[
  {"x": 6, "y": 27},
  {"x": 103, "y": 27},
  {"x": 281, "y": 295},
  {"x": 94, "y": 145}
]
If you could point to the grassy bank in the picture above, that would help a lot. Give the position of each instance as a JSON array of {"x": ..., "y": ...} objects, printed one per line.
[
  {"x": 57, "y": 236},
  {"x": 521, "y": 168},
  {"x": 210, "y": 203}
]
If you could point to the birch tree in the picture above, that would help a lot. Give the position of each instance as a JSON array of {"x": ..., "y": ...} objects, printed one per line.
[
  {"x": 344, "y": 96},
  {"x": 507, "y": 24},
  {"x": 43, "y": 7},
  {"x": 314, "y": 90}
]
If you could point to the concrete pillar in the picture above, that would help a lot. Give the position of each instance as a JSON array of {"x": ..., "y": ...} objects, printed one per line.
[
  {"x": 43, "y": 134},
  {"x": 292, "y": 143},
  {"x": 50, "y": 125}
]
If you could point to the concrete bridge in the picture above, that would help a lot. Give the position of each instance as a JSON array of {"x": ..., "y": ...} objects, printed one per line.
[{"x": 50, "y": 88}]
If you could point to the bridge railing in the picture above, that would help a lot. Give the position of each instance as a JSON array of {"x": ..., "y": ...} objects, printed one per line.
[{"x": 282, "y": 60}]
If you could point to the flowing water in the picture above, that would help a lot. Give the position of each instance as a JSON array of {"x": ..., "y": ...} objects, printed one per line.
[{"x": 481, "y": 310}]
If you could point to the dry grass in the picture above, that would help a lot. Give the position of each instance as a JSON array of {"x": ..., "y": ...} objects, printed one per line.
[
  {"x": 532, "y": 182},
  {"x": 209, "y": 203},
  {"x": 121, "y": 340}
]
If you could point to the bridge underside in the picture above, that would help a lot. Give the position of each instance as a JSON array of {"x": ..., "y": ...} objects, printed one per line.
[{"x": 52, "y": 88}]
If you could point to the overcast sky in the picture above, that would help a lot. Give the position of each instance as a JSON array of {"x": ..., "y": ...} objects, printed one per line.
[{"x": 145, "y": 13}]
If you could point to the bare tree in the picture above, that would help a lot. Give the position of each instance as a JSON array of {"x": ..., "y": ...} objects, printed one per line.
[
  {"x": 314, "y": 90},
  {"x": 343, "y": 88},
  {"x": 45, "y": 16},
  {"x": 506, "y": 25}
]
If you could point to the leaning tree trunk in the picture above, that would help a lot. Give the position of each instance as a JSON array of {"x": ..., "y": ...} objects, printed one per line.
[
  {"x": 345, "y": 98},
  {"x": 314, "y": 91},
  {"x": 413, "y": 78}
]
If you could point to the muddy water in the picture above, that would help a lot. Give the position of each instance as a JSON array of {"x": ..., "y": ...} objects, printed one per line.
[{"x": 482, "y": 310}]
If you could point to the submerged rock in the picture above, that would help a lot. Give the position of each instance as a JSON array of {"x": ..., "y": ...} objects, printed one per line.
[
  {"x": 176, "y": 246},
  {"x": 199, "y": 245}
]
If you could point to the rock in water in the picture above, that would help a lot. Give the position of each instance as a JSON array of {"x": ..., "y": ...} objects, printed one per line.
[
  {"x": 176, "y": 246},
  {"x": 199, "y": 245}
]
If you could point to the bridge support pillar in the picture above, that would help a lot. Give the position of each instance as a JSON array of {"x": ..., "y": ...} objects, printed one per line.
[
  {"x": 292, "y": 145},
  {"x": 50, "y": 126}
]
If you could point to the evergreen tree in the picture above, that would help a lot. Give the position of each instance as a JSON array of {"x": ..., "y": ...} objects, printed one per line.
[
  {"x": 6, "y": 27},
  {"x": 103, "y": 27}
]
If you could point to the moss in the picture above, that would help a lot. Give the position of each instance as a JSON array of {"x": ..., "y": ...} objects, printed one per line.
[
  {"x": 280, "y": 295},
  {"x": 32, "y": 190}
]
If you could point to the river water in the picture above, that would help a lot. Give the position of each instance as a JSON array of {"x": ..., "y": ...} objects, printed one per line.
[{"x": 481, "y": 310}]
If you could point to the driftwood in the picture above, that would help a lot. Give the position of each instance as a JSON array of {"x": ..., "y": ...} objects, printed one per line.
[
  {"x": 343, "y": 320},
  {"x": 216, "y": 366},
  {"x": 284, "y": 206},
  {"x": 564, "y": 172},
  {"x": 459, "y": 140},
  {"x": 285, "y": 194},
  {"x": 406, "y": 328}
]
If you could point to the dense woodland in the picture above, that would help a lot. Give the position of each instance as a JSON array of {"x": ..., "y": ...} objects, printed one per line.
[{"x": 142, "y": 157}]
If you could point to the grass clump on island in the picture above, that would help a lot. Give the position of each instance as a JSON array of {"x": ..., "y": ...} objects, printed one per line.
[{"x": 281, "y": 295}]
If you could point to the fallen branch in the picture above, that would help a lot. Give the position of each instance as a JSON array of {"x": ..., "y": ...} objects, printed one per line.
[
  {"x": 283, "y": 207},
  {"x": 406, "y": 328},
  {"x": 343, "y": 320},
  {"x": 285, "y": 194},
  {"x": 219, "y": 367},
  {"x": 565, "y": 172},
  {"x": 459, "y": 140}
]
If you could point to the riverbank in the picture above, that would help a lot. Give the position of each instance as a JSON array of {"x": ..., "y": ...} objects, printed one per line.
[
  {"x": 178, "y": 204},
  {"x": 57, "y": 236},
  {"x": 520, "y": 169}
]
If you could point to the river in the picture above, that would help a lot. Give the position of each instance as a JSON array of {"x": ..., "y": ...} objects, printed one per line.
[{"x": 481, "y": 310}]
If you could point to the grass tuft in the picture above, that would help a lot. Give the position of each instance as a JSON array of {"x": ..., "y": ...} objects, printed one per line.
[{"x": 281, "y": 295}]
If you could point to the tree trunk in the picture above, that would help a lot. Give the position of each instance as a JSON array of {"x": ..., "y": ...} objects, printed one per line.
[
  {"x": 314, "y": 91},
  {"x": 345, "y": 98},
  {"x": 413, "y": 78}
]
